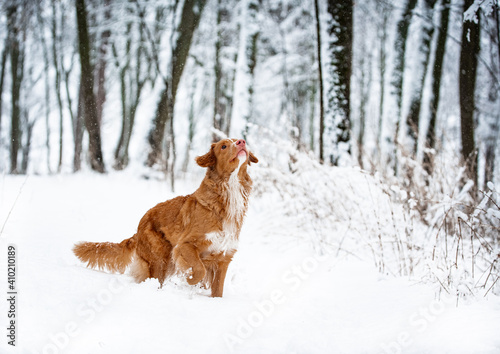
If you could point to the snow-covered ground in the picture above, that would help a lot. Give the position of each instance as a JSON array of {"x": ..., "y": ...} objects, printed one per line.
[{"x": 280, "y": 296}]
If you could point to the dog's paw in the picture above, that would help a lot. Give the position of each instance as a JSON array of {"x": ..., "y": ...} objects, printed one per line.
[{"x": 194, "y": 276}]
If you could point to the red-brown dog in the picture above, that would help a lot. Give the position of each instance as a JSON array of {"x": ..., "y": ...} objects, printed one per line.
[{"x": 194, "y": 235}]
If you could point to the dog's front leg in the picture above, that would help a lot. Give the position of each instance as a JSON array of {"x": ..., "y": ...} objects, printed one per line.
[
  {"x": 219, "y": 277},
  {"x": 187, "y": 260}
]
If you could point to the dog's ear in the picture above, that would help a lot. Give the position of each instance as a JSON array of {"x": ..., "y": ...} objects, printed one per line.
[
  {"x": 252, "y": 158},
  {"x": 208, "y": 159}
]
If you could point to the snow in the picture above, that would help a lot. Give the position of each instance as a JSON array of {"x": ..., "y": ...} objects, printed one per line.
[
  {"x": 280, "y": 295},
  {"x": 471, "y": 13}
]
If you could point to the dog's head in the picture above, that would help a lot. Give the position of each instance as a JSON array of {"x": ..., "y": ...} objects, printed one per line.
[{"x": 226, "y": 156}]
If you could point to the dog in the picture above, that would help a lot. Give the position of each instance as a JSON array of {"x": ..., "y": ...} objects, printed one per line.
[{"x": 195, "y": 236}]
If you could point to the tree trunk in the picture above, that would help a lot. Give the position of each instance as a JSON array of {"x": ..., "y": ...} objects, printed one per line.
[
  {"x": 102, "y": 62},
  {"x": 26, "y": 148},
  {"x": 76, "y": 115},
  {"x": 17, "y": 71},
  {"x": 365, "y": 68},
  {"x": 190, "y": 17},
  {"x": 288, "y": 108},
  {"x": 78, "y": 127},
  {"x": 321, "y": 88},
  {"x": 440, "y": 50},
  {"x": 220, "y": 104},
  {"x": 467, "y": 85},
  {"x": 130, "y": 93},
  {"x": 46, "y": 63},
  {"x": 57, "y": 68},
  {"x": 413, "y": 117},
  {"x": 340, "y": 30},
  {"x": 490, "y": 139},
  {"x": 121, "y": 155},
  {"x": 191, "y": 128},
  {"x": 403, "y": 26},
  {"x": 384, "y": 12},
  {"x": 2, "y": 76},
  {"x": 90, "y": 110},
  {"x": 251, "y": 46},
  {"x": 224, "y": 74}
]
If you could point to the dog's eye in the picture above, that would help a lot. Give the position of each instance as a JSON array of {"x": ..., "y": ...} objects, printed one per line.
[{"x": 223, "y": 147}]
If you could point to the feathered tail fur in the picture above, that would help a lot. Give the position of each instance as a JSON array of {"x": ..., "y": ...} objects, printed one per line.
[{"x": 115, "y": 257}]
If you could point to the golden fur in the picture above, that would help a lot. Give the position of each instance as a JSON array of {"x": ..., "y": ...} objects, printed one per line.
[{"x": 194, "y": 235}]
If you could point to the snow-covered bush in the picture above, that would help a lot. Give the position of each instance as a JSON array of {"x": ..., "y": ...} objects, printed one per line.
[
  {"x": 431, "y": 233},
  {"x": 465, "y": 243},
  {"x": 342, "y": 210}
]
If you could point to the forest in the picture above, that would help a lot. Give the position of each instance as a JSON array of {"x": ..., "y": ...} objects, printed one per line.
[{"x": 396, "y": 87}]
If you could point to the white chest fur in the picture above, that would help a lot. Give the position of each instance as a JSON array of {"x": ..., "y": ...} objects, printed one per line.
[
  {"x": 222, "y": 242},
  {"x": 236, "y": 196},
  {"x": 227, "y": 240}
]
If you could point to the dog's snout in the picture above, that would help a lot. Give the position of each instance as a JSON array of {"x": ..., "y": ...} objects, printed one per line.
[{"x": 241, "y": 142}]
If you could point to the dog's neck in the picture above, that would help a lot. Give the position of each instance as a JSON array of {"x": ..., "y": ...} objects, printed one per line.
[
  {"x": 236, "y": 196},
  {"x": 226, "y": 195}
]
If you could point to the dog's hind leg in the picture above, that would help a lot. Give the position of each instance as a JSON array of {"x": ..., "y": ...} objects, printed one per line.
[{"x": 140, "y": 269}]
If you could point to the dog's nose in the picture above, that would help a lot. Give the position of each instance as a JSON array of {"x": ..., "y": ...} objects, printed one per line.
[{"x": 241, "y": 142}]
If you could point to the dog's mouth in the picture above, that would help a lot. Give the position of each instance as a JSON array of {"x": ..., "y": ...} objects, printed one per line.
[{"x": 240, "y": 155}]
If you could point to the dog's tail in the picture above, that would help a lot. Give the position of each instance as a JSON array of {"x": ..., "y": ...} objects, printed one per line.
[{"x": 115, "y": 257}]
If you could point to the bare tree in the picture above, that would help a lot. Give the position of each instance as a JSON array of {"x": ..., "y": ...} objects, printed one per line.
[
  {"x": 63, "y": 61},
  {"x": 251, "y": 50},
  {"x": 364, "y": 77},
  {"x": 190, "y": 17},
  {"x": 320, "y": 80},
  {"x": 224, "y": 73},
  {"x": 46, "y": 62},
  {"x": 89, "y": 102},
  {"x": 3, "y": 65},
  {"x": 27, "y": 121},
  {"x": 492, "y": 117},
  {"x": 400, "y": 42},
  {"x": 102, "y": 59},
  {"x": 340, "y": 31},
  {"x": 78, "y": 127},
  {"x": 17, "y": 72},
  {"x": 467, "y": 87},
  {"x": 439, "y": 53},
  {"x": 413, "y": 117},
  {"x": 129, "y": 61},
  {"x": 384, "y": 12}
]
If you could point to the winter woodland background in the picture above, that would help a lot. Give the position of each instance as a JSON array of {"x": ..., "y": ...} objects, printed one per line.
[
  {"x": 403, "y": 88},
  {"x": 377, "y": 117}
]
